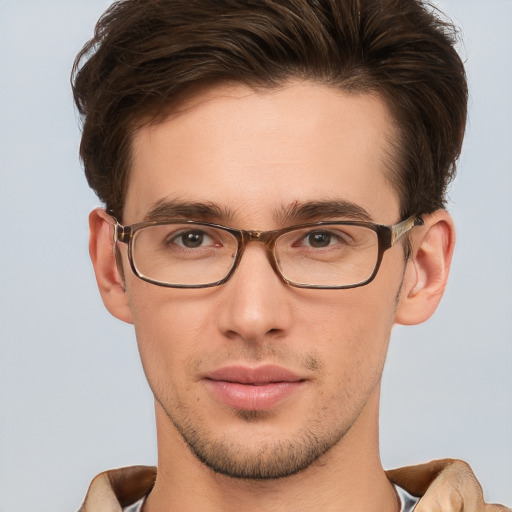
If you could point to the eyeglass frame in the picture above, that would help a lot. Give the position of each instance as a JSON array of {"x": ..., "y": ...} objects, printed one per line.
[{"x": 387, "y": 236}]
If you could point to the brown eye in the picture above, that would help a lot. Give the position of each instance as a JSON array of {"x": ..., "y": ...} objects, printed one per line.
[
  {"x": 319, "y": 239},
  {"x": 191, "y": 239}
]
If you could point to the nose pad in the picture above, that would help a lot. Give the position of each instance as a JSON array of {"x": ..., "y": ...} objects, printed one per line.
[{"x": 255, "y": 298}]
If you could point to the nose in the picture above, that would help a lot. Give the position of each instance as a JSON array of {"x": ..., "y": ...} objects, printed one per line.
[{"x": 255, "y": 300}]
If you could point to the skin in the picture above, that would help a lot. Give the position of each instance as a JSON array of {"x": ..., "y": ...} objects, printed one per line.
[{"x": 318, "y": 447}]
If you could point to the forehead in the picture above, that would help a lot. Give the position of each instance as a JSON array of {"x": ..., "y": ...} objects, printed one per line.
[{"x": 254, "y": 152}]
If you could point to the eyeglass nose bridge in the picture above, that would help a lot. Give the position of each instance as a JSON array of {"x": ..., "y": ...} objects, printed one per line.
[{"x": 268, "y": 239}]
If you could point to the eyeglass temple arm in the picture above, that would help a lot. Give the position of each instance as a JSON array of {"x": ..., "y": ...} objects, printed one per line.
[
  {"x": 403, "y": 227},
  {"x": 121, "y": 233}
]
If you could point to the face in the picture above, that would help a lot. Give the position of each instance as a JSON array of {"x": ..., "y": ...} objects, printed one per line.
[{"x": 260, "y": 379}]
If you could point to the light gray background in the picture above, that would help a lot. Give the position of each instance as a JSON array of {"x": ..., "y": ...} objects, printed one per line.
[{"x": 73, "y": 399}]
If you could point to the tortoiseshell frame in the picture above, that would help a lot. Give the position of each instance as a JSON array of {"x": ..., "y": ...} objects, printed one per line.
[{"x": 387, "y": 237}]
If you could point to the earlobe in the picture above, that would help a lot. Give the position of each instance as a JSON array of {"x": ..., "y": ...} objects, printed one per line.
[
  {"x": 427, "y": 269},
  {"x": 101, "y": 250}
]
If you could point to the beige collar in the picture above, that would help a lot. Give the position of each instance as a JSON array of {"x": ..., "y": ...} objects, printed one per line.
[{"x": 113, "y": 490}]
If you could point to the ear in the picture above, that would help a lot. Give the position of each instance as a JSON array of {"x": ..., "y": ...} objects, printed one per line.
[
  {"x": 427, "y": 269},
  {"x": 108, "y": 277}
]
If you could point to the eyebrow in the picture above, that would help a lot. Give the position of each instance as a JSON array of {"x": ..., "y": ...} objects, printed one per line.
[
  {"x": 298, "y": 211},
  {"x": 322, "y": 210},
  {"x": 176, "y": 209}
]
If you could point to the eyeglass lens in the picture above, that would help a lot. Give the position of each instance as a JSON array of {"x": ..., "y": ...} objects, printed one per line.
[{"x": 192, "y": 255}]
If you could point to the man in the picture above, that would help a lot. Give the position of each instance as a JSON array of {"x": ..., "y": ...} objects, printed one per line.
[{"x": 274, "y": 176}]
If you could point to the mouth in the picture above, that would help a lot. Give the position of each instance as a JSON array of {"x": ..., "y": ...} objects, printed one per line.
[{"x": 253, "y": 389}]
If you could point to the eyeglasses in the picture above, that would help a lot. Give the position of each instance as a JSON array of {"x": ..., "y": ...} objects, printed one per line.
[{"x": 326, "y": 255}]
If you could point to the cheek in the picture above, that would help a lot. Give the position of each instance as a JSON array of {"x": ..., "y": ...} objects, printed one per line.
[
  {"x": 169, "y": 330},
  {"x": 353, "y": 335}
]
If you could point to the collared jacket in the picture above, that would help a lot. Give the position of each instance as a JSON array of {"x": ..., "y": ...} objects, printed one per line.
[{"x": 113, "y": 490}]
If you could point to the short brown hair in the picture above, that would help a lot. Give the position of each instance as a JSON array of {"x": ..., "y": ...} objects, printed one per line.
[{"x": 145, "y": 54}]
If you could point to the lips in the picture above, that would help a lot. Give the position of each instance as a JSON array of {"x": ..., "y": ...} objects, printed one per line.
[{"x": 253, "y": 389}]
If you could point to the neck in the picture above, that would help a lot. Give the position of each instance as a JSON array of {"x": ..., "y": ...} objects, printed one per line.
[{"x": 341, "y": 479}]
